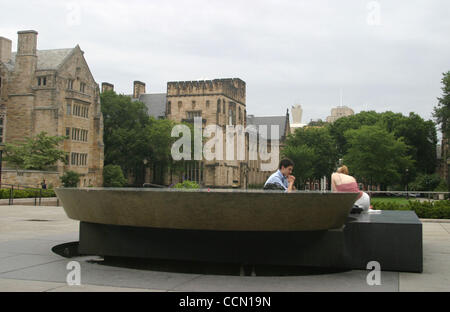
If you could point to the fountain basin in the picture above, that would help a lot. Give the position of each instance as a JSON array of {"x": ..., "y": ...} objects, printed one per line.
[{"x": 220, "y": 210}]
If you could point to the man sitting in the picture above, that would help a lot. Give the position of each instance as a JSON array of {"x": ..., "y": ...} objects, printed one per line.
[{"x": 282, "y": 179}]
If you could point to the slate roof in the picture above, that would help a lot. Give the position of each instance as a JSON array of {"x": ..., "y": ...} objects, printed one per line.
[
  {"x": 46, "y": 59},
  {"x": 280, "y": 121},
  {"x": 156, "y": 104}
]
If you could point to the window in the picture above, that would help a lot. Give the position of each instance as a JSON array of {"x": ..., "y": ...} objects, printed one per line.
[
  {"x": 42, "y": 81},
  {"x": 82, "y": 87},
  {"x": 193, "y": 104},
  {"x": 218, "y": 105},
  {"x": 169, "y": 104},
  {"x": 68, "y": 132},
  {"x": 207, "y": 104},
  {"x": 69, "y": 109},
  {"x": 180, "y": 105},
  {"x": 192, "y": 114},
  {"x": 70, "y": 84},
  {"x": 78, "y": 159}
]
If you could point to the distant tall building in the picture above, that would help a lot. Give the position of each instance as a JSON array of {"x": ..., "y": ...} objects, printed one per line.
[
  {"x": 297, "y": 114},
  {"x": 339, "y": 112}
]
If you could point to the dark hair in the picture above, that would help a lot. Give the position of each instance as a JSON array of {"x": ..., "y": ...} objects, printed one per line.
[{"x": 286, "y": 162}]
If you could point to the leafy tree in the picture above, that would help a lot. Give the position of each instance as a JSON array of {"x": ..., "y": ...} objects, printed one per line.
[
  {"x": 425, "y": 182},
  {"x": 134, "y": 141},
  {"x": 321, "y": 147},
  {"x": 339, "y": 127},
  {"x": 70, "y": 179},
  {"x": 418, "y": 134},
  {"x": 442, "y": 111},
  {"x": 113, "y": 176},
  {"x": 375, "y": 156},
  {"x": 126, "y": 125},
  {"x": 303, "y": 157},
  {"x": 35, "y": 153}
]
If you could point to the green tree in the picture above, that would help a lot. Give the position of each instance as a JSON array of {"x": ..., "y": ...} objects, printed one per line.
[
  {"x": 442, "y": 111},
  {"x": 303, "y": 158},
  {"x": 35, "y": 153},
  {"x": 70, "y": 179},
  {"x": 375, "y": 156},
  {"x": 113, "y": 176},
  {"x": 125, "y": 135},
  {"x": 418, "y": 134},
  {"x": 321, "y": 146}
]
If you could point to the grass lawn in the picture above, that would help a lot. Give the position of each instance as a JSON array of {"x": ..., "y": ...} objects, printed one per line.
[{"x": 396, "y": 200}]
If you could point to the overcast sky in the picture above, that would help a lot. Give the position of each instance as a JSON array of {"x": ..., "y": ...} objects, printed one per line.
[{"x": 384, "y": 55}]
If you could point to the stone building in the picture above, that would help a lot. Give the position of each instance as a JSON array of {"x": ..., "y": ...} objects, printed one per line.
[
  {"x": 256, "y": 176},
  {"x": 52, "y": 91},
  {"x": 297, "y": 114},
  {"x": 218, "y": 102},
  {"x": 339, "y": 112}
]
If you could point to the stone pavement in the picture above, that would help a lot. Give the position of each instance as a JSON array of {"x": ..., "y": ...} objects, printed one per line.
[{"x": 27, "y": 263}]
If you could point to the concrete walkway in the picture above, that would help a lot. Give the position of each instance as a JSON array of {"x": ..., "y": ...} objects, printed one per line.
[{"x": 27, "y": 263}]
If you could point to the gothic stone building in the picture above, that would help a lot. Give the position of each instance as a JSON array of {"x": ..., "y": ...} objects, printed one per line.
[
  {"x": 52, "y": 91},
  {"x": 218, "y": 102}
]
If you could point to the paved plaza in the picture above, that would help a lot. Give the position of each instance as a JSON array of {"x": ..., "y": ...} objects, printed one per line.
[{"x": 27, "y": 263}]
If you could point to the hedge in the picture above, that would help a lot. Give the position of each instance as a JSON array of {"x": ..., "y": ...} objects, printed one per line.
[
  {"x": 425, "y": 210},
  {"x": 26, "y": 193}
]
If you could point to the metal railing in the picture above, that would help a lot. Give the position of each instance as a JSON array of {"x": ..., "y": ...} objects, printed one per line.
[
  {"x": 407, "y": 194},
  {"x": 37, "y": 198}
]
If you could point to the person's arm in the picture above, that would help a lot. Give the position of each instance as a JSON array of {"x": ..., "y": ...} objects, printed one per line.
[{"x": 291, "y": 180}]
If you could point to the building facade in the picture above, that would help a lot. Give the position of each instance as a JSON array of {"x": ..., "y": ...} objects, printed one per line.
[
  {"x": 339, "y": 112},
  {"x": 218, "y": 102},
  {"x": 52, "y": 91}
]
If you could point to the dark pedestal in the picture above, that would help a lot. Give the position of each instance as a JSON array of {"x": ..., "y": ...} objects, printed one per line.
[{"x": 393, "y": 238}]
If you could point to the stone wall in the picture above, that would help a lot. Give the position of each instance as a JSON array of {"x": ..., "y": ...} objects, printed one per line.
[{"x": 31, "y": 178}]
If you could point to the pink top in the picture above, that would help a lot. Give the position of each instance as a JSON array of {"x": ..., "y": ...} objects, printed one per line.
[
  {"x": 345, "y": 183},
  {"x": 351, "y": 187}
]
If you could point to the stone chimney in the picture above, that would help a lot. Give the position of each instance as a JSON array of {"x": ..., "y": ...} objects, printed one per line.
[
  {"x": 138, "y": 89},
  {"x": 27, "y": 43},
  {"x": 5, "y": 49},
  {"x": 106, "y": 86}
]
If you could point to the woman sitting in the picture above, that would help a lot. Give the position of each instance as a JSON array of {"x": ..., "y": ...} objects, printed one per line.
[{"x": 341, "y": 181}]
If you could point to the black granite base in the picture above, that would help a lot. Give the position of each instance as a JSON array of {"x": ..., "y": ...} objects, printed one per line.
[{"x": 393, "y": 238}]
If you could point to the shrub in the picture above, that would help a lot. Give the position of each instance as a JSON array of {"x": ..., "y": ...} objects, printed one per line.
[
  {"x": 425, "y": 210},
  {"x": 113, "y": 176},
  {"x": 426, "y": 182},
  {"x": 70, "y": 179},
  {"x": 27, "y": 193},
  {"x": 187, "y": 185}
]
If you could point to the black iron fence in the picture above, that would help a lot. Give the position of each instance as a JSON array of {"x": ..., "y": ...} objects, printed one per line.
[{"x": 30, "y": 192}]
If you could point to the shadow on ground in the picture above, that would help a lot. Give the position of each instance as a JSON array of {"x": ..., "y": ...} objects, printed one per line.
[{"x": 70, "y": 250}]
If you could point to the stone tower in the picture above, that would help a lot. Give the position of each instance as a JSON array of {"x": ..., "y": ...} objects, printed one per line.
[{"x": 297, "y": 114}]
